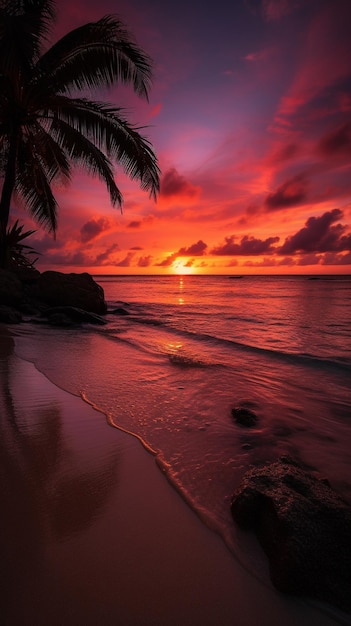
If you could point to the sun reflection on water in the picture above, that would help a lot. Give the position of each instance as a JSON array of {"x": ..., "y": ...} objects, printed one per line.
[
  {"x": 173, "y": 347},
  {"x": 181, "y": 285}
]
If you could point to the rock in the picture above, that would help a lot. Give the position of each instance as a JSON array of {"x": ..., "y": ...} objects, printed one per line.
[
  {"x": 75, "y": 290},
  {"x": 26, "y": 274},
  {"x": 119, "y": 311},
  {"x": 246, "y": 446},
  {"x": 8, "y": 315},
  {"x": 60, "y": 319},
  {"x": 10, "y": 288},
  {"x": 72, "y": 314},
  {"x": 304, "y": 527},
  {"x": 244, "y": 416}
]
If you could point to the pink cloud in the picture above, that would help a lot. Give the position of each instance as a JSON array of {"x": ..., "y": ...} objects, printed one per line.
[
  {"x": 324, "y": 59},
  {"x": 260, "y": 55}
]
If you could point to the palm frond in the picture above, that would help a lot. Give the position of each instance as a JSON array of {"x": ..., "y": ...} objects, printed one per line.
[
  {"x": 81, "y": 151},
  {"x": 18, "y": 253},
  {"x": 42, "y": 146},
  {"x": 33, "y": 185},
  {"x": 15, "y": 234},
  {"x": 105, "y": 126},
  {"x": 24, "y": 25},
  {"x": 96, "y": 54}
]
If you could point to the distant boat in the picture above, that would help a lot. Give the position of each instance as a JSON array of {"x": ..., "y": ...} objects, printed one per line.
[
  {"x": 313, "y": 278},
  {"x": 235, "y": 277}
]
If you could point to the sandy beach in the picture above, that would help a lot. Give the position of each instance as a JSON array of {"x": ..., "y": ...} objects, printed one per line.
[{"x": 93, "y": 533}]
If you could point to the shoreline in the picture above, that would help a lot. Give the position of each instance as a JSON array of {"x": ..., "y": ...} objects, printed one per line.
[{"x": 94, "y": 532}]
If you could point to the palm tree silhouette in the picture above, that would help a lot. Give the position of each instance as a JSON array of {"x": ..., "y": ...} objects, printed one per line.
[{"x": 46, "y": 125}]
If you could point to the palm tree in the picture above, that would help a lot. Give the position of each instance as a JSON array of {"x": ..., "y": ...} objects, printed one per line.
[{"x": 47, "y": 120}]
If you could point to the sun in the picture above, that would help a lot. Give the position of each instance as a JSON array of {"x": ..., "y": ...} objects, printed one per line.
[{"x": 181, "y": 268}]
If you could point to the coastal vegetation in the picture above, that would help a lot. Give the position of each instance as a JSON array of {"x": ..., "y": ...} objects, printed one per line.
[{"x": 48, "y": 119}]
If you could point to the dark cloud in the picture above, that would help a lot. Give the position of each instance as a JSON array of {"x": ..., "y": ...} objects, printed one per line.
[
  {"x": 337, "y": 141},
  {"x": 174, "y": 184},
  {"x": 145, "y": 261},
  {"x": 93, "y": 228},
  {"x": 331, "y": 258},
  {"x": 291, "y": 193},
  {"x": 309, "y": 259},
  {"x": 46, "y": 243},
  {"x": 197, "y": 249},
  {"x": 134, "y": 224},
  {"x": 319, "y": 235},
  {"x": 104, "y": 257},
  {"x": 136, "y": 248},
  {"x": 167, "y": 261},
  {"x": 248, "y": 246},
  {"x": 270, "y": 262},
  {"x": 126, "y": 262}
]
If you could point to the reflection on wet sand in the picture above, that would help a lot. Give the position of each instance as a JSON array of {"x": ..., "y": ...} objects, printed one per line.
[{"x": 47, "y": 492}]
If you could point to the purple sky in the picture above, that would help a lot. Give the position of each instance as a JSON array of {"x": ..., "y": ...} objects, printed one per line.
[{"x": 250, "y": 116}]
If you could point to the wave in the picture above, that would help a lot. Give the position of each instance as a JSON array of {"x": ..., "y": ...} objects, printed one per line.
[
  {"x": 186, "y": 360},
  {"x": 207, "y": 340}
]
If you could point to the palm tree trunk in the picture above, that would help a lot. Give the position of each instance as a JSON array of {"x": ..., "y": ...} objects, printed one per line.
[{"x": 5, "y": 202}]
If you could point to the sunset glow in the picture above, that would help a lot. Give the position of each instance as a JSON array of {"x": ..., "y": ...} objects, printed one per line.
[{"x": 250, "y": 116}]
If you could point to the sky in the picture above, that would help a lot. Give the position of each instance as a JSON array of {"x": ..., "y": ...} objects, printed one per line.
[{"x": 250, "y": 117}]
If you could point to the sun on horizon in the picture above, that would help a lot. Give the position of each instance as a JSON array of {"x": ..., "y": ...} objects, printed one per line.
[{"x": 181, "y": 268}]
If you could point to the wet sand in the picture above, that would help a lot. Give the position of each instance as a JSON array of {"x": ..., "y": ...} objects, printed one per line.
[{"x": 92, "y": 533}]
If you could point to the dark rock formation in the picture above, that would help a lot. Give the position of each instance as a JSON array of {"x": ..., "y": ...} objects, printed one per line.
[
  {"x": 75, "y": 290},
  {"x": 70, "y": 314},
  {"x": 303, "y": 526},
  {"x": 244, "y": 416},
  {"x": 64, "y": 299},
  {"x": 119, "y": 311},
  {"x": 8, "y": 315},
  {"x": 11, "y": 291}
]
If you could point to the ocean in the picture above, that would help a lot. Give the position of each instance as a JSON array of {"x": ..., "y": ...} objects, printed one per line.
[{"x": 180, "y": 352}]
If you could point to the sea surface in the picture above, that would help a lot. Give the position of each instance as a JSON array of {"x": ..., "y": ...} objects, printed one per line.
[{"x": 180, "y": 352}]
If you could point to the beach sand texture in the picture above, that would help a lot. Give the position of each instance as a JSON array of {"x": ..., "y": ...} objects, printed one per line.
[{"x": 92, "y": 533}]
